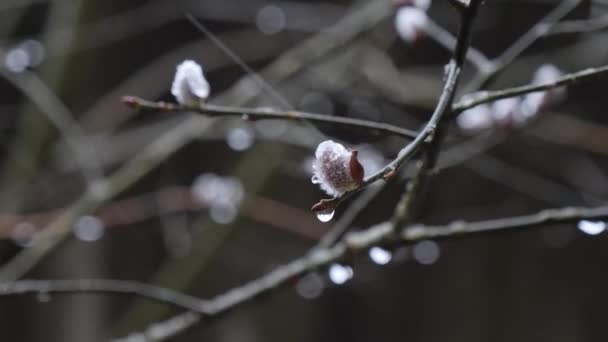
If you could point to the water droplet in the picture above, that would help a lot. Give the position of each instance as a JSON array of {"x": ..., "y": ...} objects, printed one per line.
[
  {"x": 380, "y": 255},
  {"x": 209, "y": 188},
  {"x": 592, "y": 227},
  {"x": 17, "y": 60},
  {"x": 314, "y": 179},
  {"x": 240, "y": 138},
  {"x": 325, "y": 216},
  {"x": 340, "y": 274}
]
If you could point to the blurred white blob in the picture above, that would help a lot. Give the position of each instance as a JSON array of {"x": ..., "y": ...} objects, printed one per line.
[
  {"x": 27, "y": 54},
  {"x": 592, "y": 227},
  {"x": 426, "y": 252},
  {"x": 410, "y": 22},
  {"x": 530, "y": 106},
  {"x": 534, "y": 102},
  {"x": 23, "y": 233},
  {"x": 16, "y": 60},
  {"x": 271, "y": 19},
  {"x": 340, "y": 274},
  {"x": 310, "y": 286},
  {"x": 475, "y": 119},
  {"x": 546, "y": 73},
  {"x": 380, "y": 255},
  {"x": 88, "y": 228},
  {"x": 325, "y": 216},
  {"x": 223, "y": 195},
  {"x": 35, "y": 51},
  {"x": 240, "y": 138},
  {"x": 189, "y": 84},
  {"x": 503, "y": 110}
]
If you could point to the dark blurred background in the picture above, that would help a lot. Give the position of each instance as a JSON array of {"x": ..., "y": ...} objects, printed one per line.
[{"x": 234, "y": 202}]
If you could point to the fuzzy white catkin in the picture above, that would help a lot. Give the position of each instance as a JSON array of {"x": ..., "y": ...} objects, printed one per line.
[
  {"x": 189, "y": 84},
  {"x": 409, "y": 22},
  {"x": 332, "y": 168}
]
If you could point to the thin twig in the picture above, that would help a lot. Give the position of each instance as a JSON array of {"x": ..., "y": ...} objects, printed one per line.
[
  {"x": 579, "y": 26},
  {"x": 403, "y": 210},
  {"x": 267, "y": 113},
  {"x": 352, "y": 244},
  {"x": 521, "y": 44},
  {"x": 476, "y": 99}
]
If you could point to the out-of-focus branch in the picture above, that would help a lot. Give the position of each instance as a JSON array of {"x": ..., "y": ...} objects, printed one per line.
[
  {"x": 59, "y": 115},
  {"x": 352, "y": 244},
  {"x": 102, "y": 191},
  {"x": 476, "y": 99},
  {"x": 352, "y": 25},
  {"x": 521, "y": 44},
  {"x": 579, "y": 26},
  {"x": 112, "y": 286},
  {"x": 267, "y": 113}
]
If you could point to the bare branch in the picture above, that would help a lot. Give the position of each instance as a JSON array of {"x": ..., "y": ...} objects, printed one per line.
[
  {"x": 520, "y": 45},
  {"x": 266, "y": 113},
  {"x": 109, "y": 286},
  {"x": 579, "y": 26},
  {"x": 403, "y": 210},
  {"x": 352, "y": 244},
  {"x": 476, "y": 99}
]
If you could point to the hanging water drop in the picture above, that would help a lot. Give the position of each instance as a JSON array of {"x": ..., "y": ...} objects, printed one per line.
[
  {"x": 315, "y": 179},
  {"x": 325, "y": 216}
]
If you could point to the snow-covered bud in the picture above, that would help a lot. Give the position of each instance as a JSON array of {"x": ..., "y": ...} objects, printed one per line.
[
  {"x": 189, "y": 85},
  {"x": 336, "y": 169},
  {"x": 410, "y": 22}
]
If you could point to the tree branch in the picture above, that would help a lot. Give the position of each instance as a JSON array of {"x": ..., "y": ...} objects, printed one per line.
[
  {"x": 352, "y": 244},
  {"x": 266, "y": 113},
  {"x": 476, "y": 99},
  {"x": 403, "y": 210}
]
